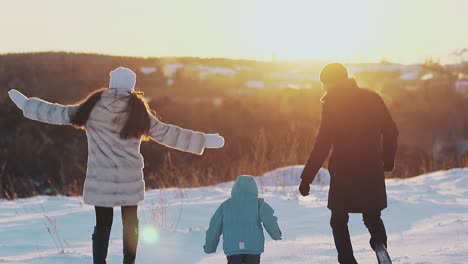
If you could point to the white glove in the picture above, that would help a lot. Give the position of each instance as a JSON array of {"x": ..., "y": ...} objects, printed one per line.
[
  {"x": 18, "y": 98},
  {"x": 214, "y": 141}
]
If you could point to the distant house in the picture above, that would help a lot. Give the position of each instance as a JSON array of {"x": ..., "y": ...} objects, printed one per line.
[
  {"x": 255, "y": 84},
  {"x": 410, "y": 80},
  {"x": 204, "y": 71},
  {"x": 148, "y": 70}
]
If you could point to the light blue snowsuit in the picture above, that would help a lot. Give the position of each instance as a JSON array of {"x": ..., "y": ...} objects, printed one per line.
[{"x": 239, "y": 219}]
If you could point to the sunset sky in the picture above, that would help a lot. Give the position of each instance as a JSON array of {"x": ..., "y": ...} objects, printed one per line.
[{"x": 404, "y": 31}]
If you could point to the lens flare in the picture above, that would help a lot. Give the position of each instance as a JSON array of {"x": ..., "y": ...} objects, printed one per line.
[{"x": 150, "y": 234}]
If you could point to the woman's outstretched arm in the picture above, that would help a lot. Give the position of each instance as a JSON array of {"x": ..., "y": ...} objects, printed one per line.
[
  {"x": 43, "y": 111},
  {"x": 183, "y": 139}
]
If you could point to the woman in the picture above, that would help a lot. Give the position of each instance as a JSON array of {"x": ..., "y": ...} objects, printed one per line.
[{"x": 116, "y": 120}]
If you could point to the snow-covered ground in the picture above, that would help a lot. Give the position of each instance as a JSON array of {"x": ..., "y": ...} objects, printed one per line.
[{"x": 427, "y": 222}]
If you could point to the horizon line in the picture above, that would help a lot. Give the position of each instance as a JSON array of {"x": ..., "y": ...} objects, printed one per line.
[{"x": 271, "y": 60}]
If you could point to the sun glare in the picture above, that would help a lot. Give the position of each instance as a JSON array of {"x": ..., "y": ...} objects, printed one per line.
[
  {"x": 305, "y": 29},
  {"x": 150, "y": 234},
  {"x": 405, "y": 31}
]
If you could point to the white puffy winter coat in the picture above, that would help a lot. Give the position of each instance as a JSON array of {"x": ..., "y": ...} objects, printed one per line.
[{"x": 114, "y": 175}]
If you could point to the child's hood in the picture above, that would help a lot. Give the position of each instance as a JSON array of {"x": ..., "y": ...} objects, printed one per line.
[{"x": 244, "y": 186}]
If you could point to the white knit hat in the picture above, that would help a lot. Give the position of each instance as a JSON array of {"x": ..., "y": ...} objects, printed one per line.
[{"x": 122, "y": 79}]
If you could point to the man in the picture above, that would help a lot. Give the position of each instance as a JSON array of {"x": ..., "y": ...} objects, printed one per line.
[{"x": 357, "y": 125}]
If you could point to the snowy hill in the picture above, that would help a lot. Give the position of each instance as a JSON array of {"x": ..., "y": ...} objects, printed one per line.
[{"x": 427, "y": 222}]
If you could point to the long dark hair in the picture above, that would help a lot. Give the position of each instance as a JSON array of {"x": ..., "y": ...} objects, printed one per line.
[{"x": 138, "y": 120}]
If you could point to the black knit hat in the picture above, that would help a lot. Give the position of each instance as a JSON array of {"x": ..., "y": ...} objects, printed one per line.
[{"x": 334, "y": 73}]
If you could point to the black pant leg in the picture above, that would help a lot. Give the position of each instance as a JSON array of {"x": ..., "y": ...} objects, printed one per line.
[
  {"x": 235, "y": 259},
  {"x": 130, "y": 233},
  {"x": 339, "y": 224},
  {"x": 376, "y": 228},
  {"x": 251, "y": 259},
  {"x": 104, "y": 219}
]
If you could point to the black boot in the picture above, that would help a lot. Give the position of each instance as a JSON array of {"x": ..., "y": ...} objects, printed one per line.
[
  {"x": 130, "y": 242},
  {"x": 378, "y": 240},
  {"x": 382, "y": 254},
  {"x": 100, "y": 245}
]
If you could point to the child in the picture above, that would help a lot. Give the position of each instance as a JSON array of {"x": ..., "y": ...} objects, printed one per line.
[
  {"x": 115, "y": 120},
  {"x": 239, "y": 220}
]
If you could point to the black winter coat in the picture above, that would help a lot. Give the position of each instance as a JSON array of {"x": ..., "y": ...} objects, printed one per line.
[{"x": 357, "y": 125}]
